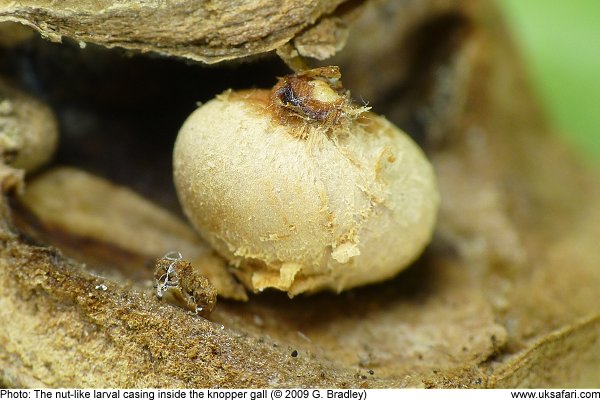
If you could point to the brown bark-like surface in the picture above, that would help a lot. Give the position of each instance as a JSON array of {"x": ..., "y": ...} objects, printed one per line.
[
  {"x": 506, "y": 294},
  {"x": 207, "y": 31}
]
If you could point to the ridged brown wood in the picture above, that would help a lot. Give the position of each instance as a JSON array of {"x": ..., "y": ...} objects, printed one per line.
[
  {"x": 206, "y": 31},
  {"x": 507, "y": 294}
]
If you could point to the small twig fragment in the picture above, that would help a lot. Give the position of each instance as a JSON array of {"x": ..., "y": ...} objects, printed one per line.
[{"x": 178, "y": 283}]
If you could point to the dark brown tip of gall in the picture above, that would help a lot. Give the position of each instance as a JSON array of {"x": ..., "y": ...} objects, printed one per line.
[{"x": 294, "y": 96}]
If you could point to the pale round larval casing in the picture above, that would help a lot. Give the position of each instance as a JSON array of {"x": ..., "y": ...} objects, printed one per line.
[{"x": 302, "y": 214}]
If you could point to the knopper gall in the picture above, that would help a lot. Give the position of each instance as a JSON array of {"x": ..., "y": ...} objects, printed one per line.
[{"x": 302, "y": 190}]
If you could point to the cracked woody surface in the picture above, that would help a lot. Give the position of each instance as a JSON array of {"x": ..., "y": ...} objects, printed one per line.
[{"x": 506, "y": 295}]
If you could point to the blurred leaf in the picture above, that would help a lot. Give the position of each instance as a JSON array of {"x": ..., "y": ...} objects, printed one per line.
[{"x": 560, "y": 41}]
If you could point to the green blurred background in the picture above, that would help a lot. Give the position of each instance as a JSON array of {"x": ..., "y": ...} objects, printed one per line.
[{"x": 560, "y": 41}]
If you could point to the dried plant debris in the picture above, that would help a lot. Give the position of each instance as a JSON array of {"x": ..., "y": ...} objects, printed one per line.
[
  {"x": 178, "y": 283},
  {"x": 204, "y": 31}
]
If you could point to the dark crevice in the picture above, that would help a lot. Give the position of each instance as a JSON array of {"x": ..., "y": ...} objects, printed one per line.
[
  {"x": 119, "y": 112},
  {"x": 432, "y": 47}
]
